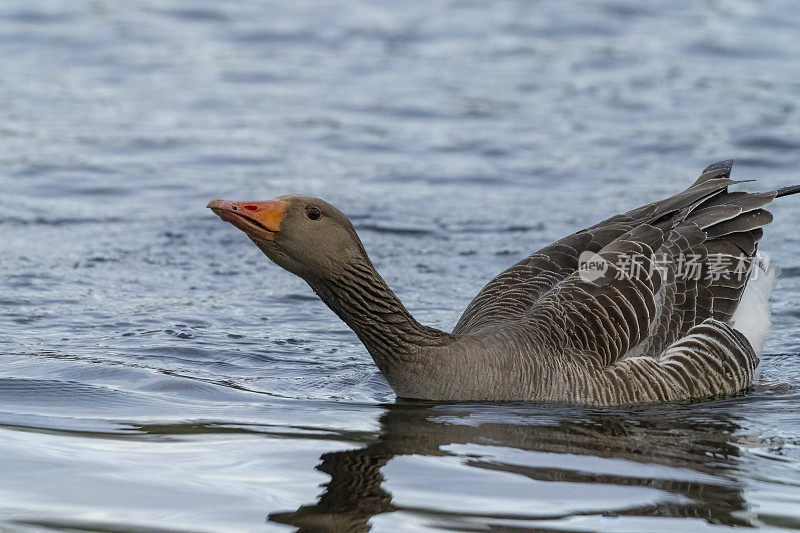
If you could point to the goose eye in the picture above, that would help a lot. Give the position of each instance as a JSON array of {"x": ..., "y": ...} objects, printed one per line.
[{"x": 313, "y": 213}]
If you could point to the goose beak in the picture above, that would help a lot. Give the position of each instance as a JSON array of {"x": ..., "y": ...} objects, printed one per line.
[{"x": 259, "y": 220}]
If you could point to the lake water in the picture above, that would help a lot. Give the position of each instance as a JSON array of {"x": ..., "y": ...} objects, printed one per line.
[{"x": 158, "y": 373}]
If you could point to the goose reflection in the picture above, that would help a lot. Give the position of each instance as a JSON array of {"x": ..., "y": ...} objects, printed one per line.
[{"x": 697, "y": 445}]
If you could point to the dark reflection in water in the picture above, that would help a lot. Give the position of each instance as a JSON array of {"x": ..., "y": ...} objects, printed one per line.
[{"x": 704, "y": 444}]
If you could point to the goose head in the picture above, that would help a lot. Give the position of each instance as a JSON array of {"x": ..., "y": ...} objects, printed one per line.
[{"x": 306, "y": 236}]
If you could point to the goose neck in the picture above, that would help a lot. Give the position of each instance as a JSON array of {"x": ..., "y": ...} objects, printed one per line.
[{"x": 363, "y": 300}]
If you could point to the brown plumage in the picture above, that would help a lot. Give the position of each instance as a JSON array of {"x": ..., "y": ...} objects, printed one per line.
[{"x": 639, "y": 330}]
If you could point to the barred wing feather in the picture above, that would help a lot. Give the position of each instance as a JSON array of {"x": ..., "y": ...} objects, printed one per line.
[{"x": 653, "y": 321}]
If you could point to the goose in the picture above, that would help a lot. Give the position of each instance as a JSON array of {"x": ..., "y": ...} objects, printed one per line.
[{"x": 571, "y": 323}]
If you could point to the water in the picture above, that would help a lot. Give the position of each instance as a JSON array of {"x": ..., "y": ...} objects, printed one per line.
[{"x": 156, "y": 372}]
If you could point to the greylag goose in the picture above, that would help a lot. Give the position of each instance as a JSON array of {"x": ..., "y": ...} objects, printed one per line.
[{"x": 667, "y": 302}]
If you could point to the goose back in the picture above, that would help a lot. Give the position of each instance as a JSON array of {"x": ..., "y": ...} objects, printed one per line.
[{"x": 651, "y": 333}]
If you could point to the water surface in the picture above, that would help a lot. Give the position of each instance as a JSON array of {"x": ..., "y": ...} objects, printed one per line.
[{"x": 157, "y": 373}]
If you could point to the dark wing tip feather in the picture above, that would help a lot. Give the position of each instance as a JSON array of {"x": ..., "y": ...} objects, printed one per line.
[
  {"x": 722, "y": 169},
  {"x": 786, "y": 191},
  {"x": 725, "y": 166}
]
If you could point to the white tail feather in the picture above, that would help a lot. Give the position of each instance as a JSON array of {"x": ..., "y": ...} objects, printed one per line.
[{"x": 752, "y": 316}]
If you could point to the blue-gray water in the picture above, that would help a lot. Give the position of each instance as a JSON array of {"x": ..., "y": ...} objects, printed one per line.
[{"x": 157, "y": 372}]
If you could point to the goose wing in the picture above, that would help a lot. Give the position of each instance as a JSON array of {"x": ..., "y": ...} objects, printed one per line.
[{"x": 648, "y": 309}]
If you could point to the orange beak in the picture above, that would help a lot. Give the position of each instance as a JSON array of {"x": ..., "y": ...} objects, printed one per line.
[{"x": 261, "y": 220}]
